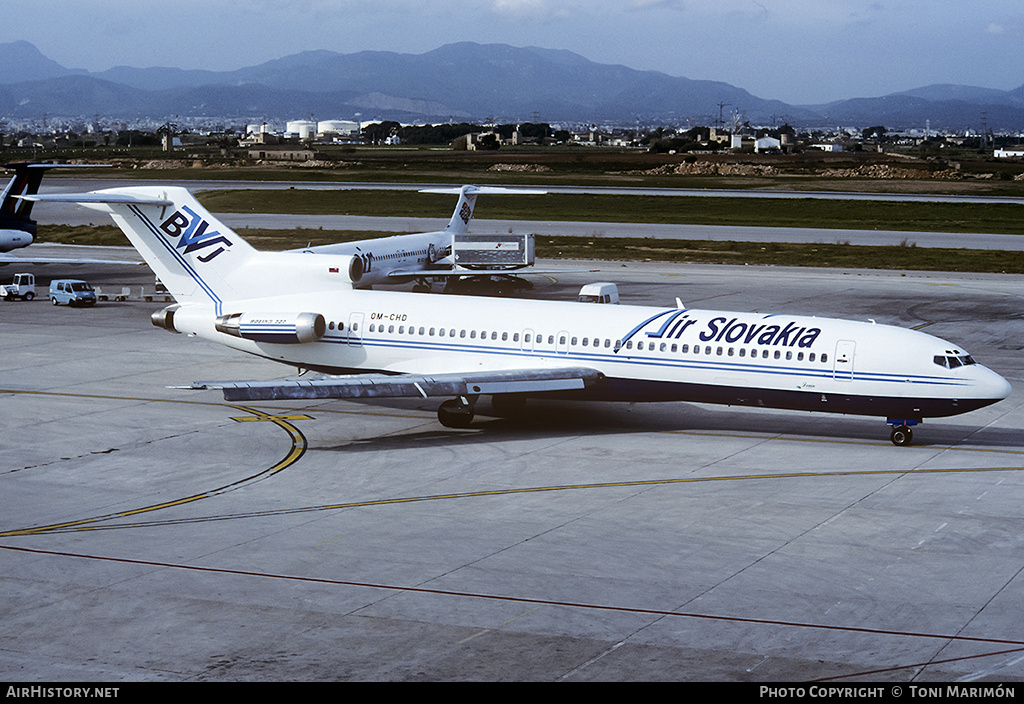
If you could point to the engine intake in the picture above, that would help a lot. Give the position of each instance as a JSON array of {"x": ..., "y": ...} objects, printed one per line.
[
  {"x": 164, "y": 318},
  {"x": 284, "y": 328}
]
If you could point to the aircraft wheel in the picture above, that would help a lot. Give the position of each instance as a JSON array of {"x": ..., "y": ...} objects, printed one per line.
[
  {"x": 901, "y": 435},
  {"x": 454, "y": 414}
]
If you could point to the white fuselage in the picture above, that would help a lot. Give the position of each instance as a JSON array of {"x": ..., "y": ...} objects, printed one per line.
[
  {"x": 777, "y": 361},
  {"x": 382, "y": 256}
]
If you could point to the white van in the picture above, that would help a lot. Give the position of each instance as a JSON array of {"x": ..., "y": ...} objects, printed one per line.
[{"x": 599, "y": 293}]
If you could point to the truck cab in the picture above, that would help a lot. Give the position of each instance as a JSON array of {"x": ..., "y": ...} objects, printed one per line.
[{"x": 23, "y": 288}]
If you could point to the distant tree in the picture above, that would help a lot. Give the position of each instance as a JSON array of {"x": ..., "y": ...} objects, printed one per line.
[
  {"x": 538, "y": 131},
  {"x": 379, "y": 131},
  {"x": 877, "y": 132},
  {"x": 489, "y": 142}
]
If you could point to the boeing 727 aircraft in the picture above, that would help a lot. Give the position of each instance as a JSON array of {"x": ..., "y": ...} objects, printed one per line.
[
  {"x": 380, "y": 344},
  {"x": 425, "y": 255}
]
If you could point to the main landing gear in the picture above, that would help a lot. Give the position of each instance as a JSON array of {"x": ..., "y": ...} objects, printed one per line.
[
  {"x": 457, "y": 412},
  {"x": 902, "y": 432}
]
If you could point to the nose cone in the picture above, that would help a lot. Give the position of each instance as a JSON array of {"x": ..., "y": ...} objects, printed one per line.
[{"x": 992, "y": 386}]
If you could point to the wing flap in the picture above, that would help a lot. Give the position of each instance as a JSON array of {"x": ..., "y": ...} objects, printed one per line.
[{"x": 406, "y": 385}]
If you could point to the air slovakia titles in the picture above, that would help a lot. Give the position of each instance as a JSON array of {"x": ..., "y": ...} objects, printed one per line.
[{"x": 730, "y": 330}]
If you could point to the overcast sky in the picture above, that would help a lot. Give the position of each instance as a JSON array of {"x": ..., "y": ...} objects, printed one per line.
[{"x": 798, "y": 51}]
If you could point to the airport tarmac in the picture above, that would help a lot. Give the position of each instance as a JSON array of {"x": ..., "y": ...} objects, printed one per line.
[{"x": 158, "y": 534}]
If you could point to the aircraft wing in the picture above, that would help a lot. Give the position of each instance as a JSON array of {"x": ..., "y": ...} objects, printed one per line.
[
  {"x": 6, "y": 259},
  {"x": 506, "y": 381},
  {"x": 524, "y": 271}
]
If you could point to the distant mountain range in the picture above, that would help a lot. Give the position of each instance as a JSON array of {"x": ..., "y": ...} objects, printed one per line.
[{"x": 463, "y": 81}]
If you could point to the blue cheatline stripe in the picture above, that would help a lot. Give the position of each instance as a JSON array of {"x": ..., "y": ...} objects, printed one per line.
[
  {"x": 696, "y": 365},
  {"x": 180, "y": 258}
]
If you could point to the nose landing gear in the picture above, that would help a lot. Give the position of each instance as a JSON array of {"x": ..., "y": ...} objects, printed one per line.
[{"x": 902, "y": 433}]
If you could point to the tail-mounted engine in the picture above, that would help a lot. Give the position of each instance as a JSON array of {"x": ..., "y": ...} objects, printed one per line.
[
  {"x": 164, "y": 318},
  {"x": 286, "y": 328}
]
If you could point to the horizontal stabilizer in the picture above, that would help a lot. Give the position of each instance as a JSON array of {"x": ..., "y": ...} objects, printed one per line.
[
  {"x": 407, "y": 385},
  {"x": 484, "y": 190},
  {"x": 459, "y": 223},
  {"x": 98, "y": 197}
]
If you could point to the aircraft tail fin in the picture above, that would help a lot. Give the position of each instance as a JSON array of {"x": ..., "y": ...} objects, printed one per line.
[
  {"x": 15, "y": 211},
  {"x": 459, "y": 223},
  {"x": 194, "y": 255}
]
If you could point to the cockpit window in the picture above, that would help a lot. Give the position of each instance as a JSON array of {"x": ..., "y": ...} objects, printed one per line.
[{"x": 952, "y": 362}]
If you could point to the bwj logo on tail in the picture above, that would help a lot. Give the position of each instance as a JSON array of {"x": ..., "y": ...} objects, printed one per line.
[{"x": 192, "y": 233}]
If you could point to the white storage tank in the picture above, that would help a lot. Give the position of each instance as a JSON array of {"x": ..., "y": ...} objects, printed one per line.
[
  {"x": 337, "y": 127},
  {"x": 305, "y": 129}
]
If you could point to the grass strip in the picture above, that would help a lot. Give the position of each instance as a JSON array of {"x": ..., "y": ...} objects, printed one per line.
[
  {"x": 642, "y": 249},
  {"x": 990, "y": 218}
]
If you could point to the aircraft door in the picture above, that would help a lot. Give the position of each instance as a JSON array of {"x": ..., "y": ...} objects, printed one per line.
[
  {"x": 562, "y": 342},
  {"x": 842, "y": 369},
  {"x": 355, "y": 329}
]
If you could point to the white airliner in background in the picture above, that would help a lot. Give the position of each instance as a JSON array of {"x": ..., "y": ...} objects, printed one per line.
[
  {"x": 424, "y": 256},
  {"x": 17, "y": 228},
  {"x": 301, "y": 309}
]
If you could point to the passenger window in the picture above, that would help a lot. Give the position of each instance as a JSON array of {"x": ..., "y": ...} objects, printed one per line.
[{"x": 824, "y": 357}]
